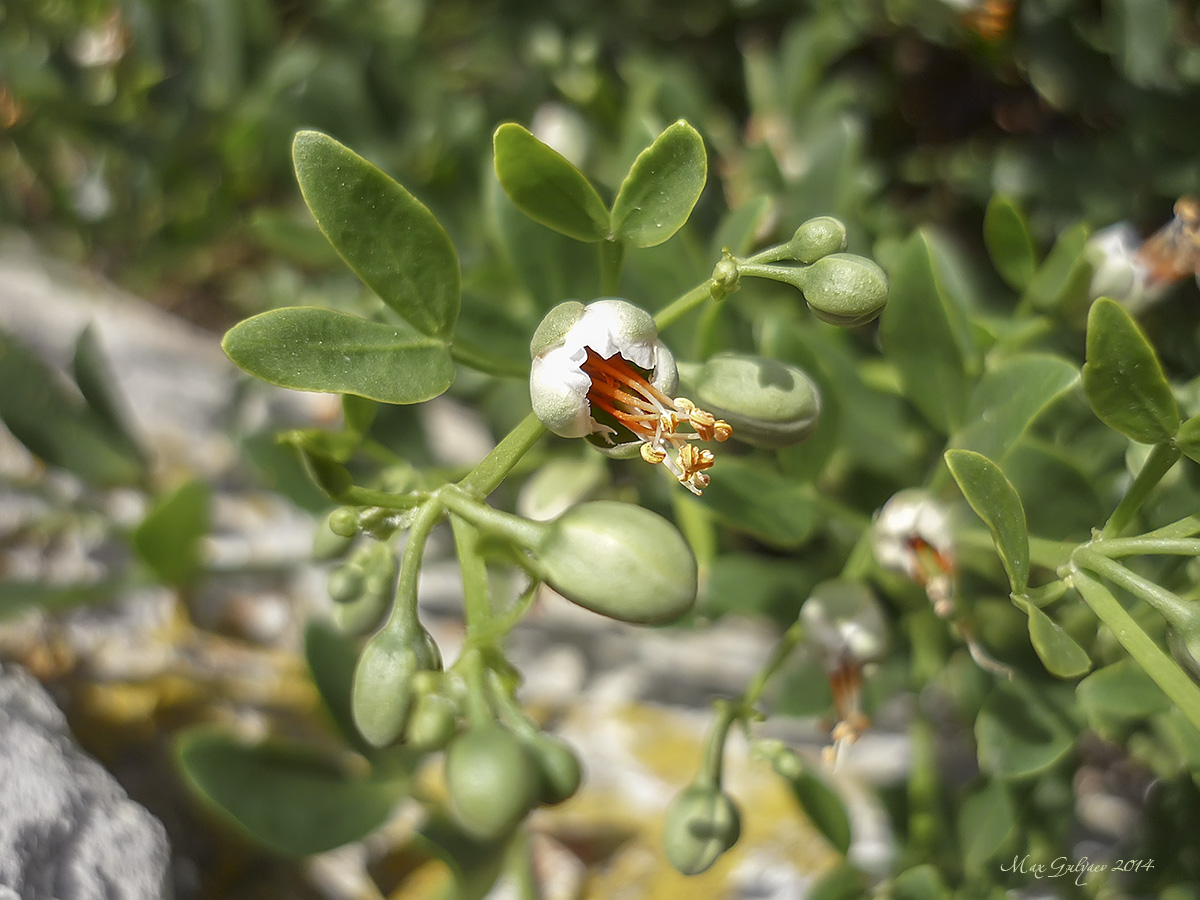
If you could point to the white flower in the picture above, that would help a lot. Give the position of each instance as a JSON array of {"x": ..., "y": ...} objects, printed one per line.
[
  {"x": 912, "y": 534},
  {"x": 1136, "y": 272},
  {"x": 1118, "y": 271},
  {"x": 600, "y": 371}
]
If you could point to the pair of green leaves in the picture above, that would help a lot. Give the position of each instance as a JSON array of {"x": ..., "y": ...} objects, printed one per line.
[
  {"x": 399, "y": 250},
  {"x": 996, "y": 502},
  {"x": 653, "y": 202},
  {"x": 1059, "y": 281},
  {"x": 83, "y": 430}
]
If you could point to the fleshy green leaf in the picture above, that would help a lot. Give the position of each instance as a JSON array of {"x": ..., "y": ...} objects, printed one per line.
[
  {"x": 824, "y": 809},
  {"x": 282, "y": 794},
  {"x": 547, "y": 187},
  {"x": 1006, "y": 233},
  {"x": 331, "y": 659},
  {"x": 921, "y": 332},
  {"x": 310, "y": 349},
  {"x": 43, "y": 413},
  {"x": 1018, "y": 733},
  {"x": 1061, "y": 281},
  {"x": 1188, "y": 438},
  {"x": 321, "y": 461},
  {"x": 1009, "y": 398},
  {"x": 1123, "y": 379},
  {"x": 842, "y": 882},
  {"x": 99, "y": 388},
  {"x": 752, "y": 498},
  {"x": 168, "y": 538},
  {"x": 662, "y": 187},
  {"x": 1121, "y": 692},
  {"x": 986, "y": 819},
  {"x": 1057, "y": 650},
  {"x": 995, "y": 501},
  {"x": 387, "y": 236}
]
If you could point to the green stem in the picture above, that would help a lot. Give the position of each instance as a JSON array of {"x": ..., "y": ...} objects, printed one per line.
[
  {"x": 1137, "y": 546},
  {"x": 1043, "y": 552},
  {"x": 787, "y": 274},
  {"x": 404, "y": 611},
  {"x": 493, "y": 468},
  {"x": 361, "y": 496},
  {"x": 493, "y": 365},
  {"x": 612, "y": 259},
  {"x": 1179, "y": 614},
  {"x": 788, "y": 643},
  {"x": 1185, "y": 527},
  {"x": 470, "y": 664},
  {"x": 1157, "y": 464},
  {"x": 1157, "y": 664},
  {"x": 522, "y": 532},
  {"x": 477, "y": 606},
  {"x": 682, "y": 305},
  {"x": 714, "y": 751}
]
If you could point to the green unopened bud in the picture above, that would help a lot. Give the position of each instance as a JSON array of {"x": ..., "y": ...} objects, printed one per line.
[
  {"x": 361, "y": 615},
  {"x": 725, "y": 277},
  {"x": 619, "y": 560},
  {"x": 346, "y": 583},
  {"x": 701, "y": 824},
  {"x": 492, "y": 781},
  {"x": 432, "y": 722},
  {"x": 382, "y": 693},
  {"x": 817, "y": 238},
  {"x": 768, "y": 403},
  {"x": 343, "y": 521},
  {"x": 559, "y": 766},
  {"x": 329, "y": 542},
  {"x": 844, "y": 289}
]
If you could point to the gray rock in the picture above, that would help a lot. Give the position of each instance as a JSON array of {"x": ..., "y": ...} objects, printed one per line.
[{"x": 67, "y": 829}]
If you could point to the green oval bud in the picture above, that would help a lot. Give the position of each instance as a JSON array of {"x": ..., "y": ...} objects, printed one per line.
[
  {"x": 361, "y": 615},
  {"x": 817, "y": 238},
  {"x": 701, "y": 824},
  {"x": 844, "y": 289},
  {"x": 768, "y": 403},
  {"x": 343, "y": 521},
  {"x": 560, "y": 769},
  {"x": 329, "y": 542},
  {"x": 346, "y": 583},
  {"x": 432, "y": 722},
  {"x": 619, "y": 560},
  {"x": 382, "y": 692},
  {"x": 844, "y": 619},
  {"x": 491, "y": 779}
]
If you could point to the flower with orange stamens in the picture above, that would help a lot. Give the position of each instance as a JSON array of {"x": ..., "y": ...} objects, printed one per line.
[{"x": 601, "y": 372}]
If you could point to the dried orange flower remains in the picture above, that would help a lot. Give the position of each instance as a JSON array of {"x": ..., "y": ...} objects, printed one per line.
[{"x": 600, "y": 371}]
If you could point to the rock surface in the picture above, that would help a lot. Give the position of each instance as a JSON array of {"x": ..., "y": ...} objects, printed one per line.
[{"x": 67, "y": 830}]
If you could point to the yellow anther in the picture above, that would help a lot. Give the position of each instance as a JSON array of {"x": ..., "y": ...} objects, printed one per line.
[
  {"x": 722, "y": 431},
  {"x": 652, "y": 454}
]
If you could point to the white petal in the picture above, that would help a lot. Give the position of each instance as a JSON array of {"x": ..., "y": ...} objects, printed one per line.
[{"x": 558, "y": 389}]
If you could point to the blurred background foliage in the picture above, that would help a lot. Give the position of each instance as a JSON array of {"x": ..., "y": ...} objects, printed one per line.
[{"x": 150, "y": 139}]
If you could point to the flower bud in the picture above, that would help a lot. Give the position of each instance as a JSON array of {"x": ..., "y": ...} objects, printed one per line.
[
  {"x": 346, "y": 583},
  {"x": 330, "y": 541},
  {"x": 768, "y": 403},
  {"x": 701, "y": 824},
  {"x": 343, "y": 521},
  {"x": 817, "y": 238},
  {"x": 845, "y": 621},
  {"x": 492, "y": 781},
  {"x": 432, "y": 722},
  {"x": 361, "y": 615},
  {"x": 845, "y": 290},
  {"x": 619, "y": 560},
  {"x": 382, "y": 692},
  {"x": 559, "y": 766}
]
